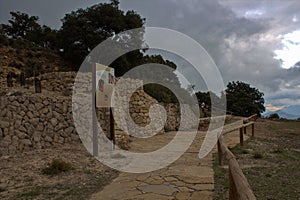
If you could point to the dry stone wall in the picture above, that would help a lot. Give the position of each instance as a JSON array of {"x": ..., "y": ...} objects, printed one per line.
[
  {"x": 28, "y": 122},
  {"x": 35, "y": 121}
]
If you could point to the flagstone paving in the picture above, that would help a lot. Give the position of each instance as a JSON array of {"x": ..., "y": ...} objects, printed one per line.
[{"x": 187, "y": 178}]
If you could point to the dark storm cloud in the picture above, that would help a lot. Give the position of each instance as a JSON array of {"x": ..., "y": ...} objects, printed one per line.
[{"x": 240, "y": 36}]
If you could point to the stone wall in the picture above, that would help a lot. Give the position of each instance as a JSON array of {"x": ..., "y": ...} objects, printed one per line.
[
  {"x": 35, "y": 121},
  {"x": 28, "y": 122}
]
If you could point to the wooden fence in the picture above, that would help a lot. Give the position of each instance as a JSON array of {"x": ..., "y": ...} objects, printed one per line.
[{"x": 239, "y": 188}]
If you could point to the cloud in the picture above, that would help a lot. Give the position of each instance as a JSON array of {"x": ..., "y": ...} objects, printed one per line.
[{"x": 241, "y": 36}]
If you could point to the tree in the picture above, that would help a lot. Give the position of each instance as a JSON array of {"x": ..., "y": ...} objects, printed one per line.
[
  {"x": 27, "y": 29},
  {"x": 20, "y": 25},
  {"x": 244, "y": 100},
  {"x": 84, "y": 29}
]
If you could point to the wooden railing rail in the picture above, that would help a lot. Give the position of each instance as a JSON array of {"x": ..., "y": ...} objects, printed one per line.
[{"x": 239, "y": 188}]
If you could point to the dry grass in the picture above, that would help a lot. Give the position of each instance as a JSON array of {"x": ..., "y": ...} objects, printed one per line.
[{"x": 272, "y": 167}]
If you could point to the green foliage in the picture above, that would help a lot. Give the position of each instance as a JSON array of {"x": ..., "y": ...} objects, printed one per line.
[
  {"x": 84, "y": 29},
  {"x": 32, "y": 68},
  {"x": 257, "y": 155},
  {"x": 25, "y": 31},
  {"x": 244, "y": 100},
  {"x": 21, "y": 25},
  {"x": 3, "y": 40},
  {"x": 274, "y": 116},
  {"x": 56, "y": 167}
]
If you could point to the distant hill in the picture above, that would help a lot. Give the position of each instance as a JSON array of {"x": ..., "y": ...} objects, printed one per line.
[{"x": 290, "y": 112}]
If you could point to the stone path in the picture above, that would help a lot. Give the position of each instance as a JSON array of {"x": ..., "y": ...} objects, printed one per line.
[{"x": 187, "y": 178}]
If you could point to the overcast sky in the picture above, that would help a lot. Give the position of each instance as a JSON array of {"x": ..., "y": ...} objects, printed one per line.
[{"x": 253, "y": 41}]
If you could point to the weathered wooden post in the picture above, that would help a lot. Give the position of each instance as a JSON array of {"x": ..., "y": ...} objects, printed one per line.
[
  {"x": 233, "y": 194},
  {"x": 252, "y": 130},
  {"x": 241, "y": 137},
  {"x": 220, "y": 155},
  {"x": 38, "y": 85},
  {"x": 22, "y": 79},
  {"x": 9, "y": 80},
  {"x": 112, "y": 126}
]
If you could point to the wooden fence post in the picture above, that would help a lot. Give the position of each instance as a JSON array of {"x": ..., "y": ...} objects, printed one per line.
[
  {"x": 220, "y": 156},
  {"x": 22, "y": 79},
  {"x": 241, "y": 137},
  {"x": 253, "y": 130},
  {"x": 233, "y": 194}
]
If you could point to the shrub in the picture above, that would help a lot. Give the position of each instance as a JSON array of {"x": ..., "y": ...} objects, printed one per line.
[
  {"x": 245, "y": 151},
  {"x": 274, "y": 116},
  {"x": 257, "y": 155},
  {"x": 16, "y": 65},
  {"x": 4, "y": 40},
  {"x": 57, "y": 166}
]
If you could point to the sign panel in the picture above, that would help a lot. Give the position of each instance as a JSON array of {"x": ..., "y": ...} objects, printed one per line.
[{"x": 105, "y": 81}]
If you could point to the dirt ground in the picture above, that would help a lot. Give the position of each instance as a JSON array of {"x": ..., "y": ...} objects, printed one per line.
[
  {"x": 270, "y": 161},
  {"x": 21, "y": 176}
]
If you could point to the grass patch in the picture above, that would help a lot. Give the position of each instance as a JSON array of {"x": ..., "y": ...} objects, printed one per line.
[
  {"x": 257, "y": 155},
  {"x": 288, "y": 124},
  {"x": 30, "y": 193},
  {"x": 245, "y": 151},
  {"x": 274, "y": 174},
  {"x": 57, "y": 166},
  {"x": 221, "y": 180},
  {"x": 277, "y": 150}
]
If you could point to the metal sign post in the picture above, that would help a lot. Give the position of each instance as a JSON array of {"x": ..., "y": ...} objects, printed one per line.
[
  {"x": 94, "y": 116},
  {"x": 103, "y": 85}
]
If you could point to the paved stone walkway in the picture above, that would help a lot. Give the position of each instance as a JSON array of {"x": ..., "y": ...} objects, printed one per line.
[{"x": 187, "y": 178}]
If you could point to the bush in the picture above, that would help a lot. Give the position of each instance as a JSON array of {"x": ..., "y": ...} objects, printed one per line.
[
  {"x": 57, "y": 166},
  {"x": 274, "y": 116},
  {"x": 4, "y": 40},
  {"x": 257, "y": 155},
  {"x": 16, "y": 65}
]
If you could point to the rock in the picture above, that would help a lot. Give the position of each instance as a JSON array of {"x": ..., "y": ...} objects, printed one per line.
[
  {"x": 56, "y": 137},
  {"x": 30, "y": 115},
  {"x": 22, "y": 128},
  {"x": 26, "y": 142},
  {"x": 61, "y": 140},
  {"x": 15, "y": 103},
  {"x": 40, "y": 127},
  {"x": 44, "y": 111},
  {"x": 48, "y": 139},
  {"x": 4, "y": 124},
  {"x": 6, "y": 141},
  {"x": 21, "y": 135},
  {"x": 3, "y": 112},
  {"x": 39, "y": 106},
  {"x": 12, "y": 149},
  {"x": 69, "y": 130},
  {"x": 53, "y": 122},
  {"x": 35, "y": 121},
  {"x": 29, "y": 128},
  {"x": 31, "y": 107},
  {"x": 37, "y": 136},
  {"x": 59, "y": 127},
  {"x": 18, "y": 123}
]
